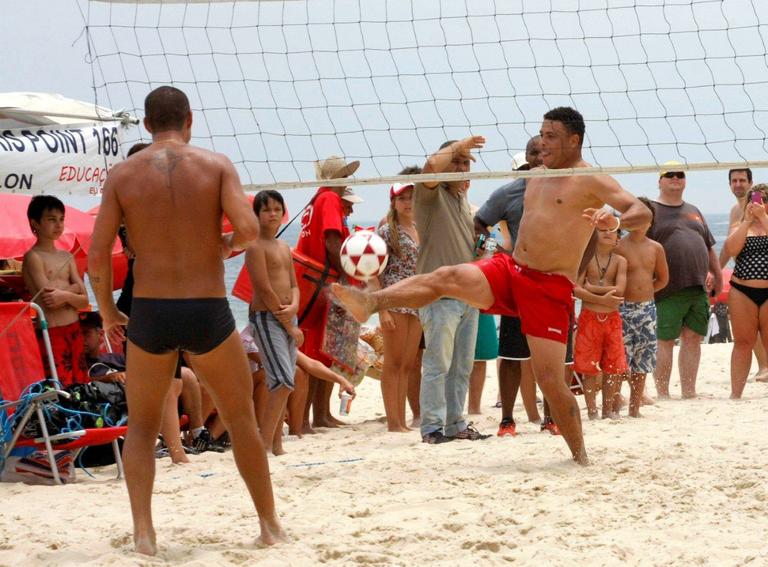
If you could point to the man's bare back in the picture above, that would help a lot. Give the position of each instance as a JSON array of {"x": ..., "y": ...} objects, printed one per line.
[{"x": 171, "y": 197}]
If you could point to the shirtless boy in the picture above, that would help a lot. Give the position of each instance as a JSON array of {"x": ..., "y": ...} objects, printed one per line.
[
  {"x": 51, "y": 277},
  {"x": 273, "y": 310},
  {"x": 647, "y": 273},
  {"x": 536, "y": 281},
  {"x": 599, "y": 341},
  {"x": 172, "y": 196}
]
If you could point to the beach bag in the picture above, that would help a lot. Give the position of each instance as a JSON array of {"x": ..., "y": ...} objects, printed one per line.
[
  {"x": 311, "y": 278},
  {"x": 342, "y": 334},
  {"x": 30, "y": 466}
]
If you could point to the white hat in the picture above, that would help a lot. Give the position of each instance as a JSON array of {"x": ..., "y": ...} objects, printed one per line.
[
  {"x": 350, "y": 196},
  {"x": 518, "y": 160},
  {"x": 334, "y": 167}
]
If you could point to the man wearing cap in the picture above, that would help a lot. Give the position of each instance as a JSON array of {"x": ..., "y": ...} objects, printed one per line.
[
  {"x": 323, "y": 230},
  {"x": 682, "y": 306}
]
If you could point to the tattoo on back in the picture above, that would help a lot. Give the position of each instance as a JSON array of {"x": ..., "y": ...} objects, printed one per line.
[{"x": 166, "y": 162}]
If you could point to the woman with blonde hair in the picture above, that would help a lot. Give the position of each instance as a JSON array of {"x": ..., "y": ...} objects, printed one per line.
[
  {"x": 400, "y": 327},
  {"x": 748, "y": 297}
]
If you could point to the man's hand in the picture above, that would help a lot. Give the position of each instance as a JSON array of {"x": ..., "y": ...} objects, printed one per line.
[
  {"x": 463, "y": 148},
  {"x": 114, "y": 322},
  {"x": 601, "y": 219},
  {"x": 387, "y": 321}
]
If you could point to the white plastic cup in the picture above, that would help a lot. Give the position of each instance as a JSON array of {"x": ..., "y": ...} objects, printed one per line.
[{"x": 346, "y": 403}]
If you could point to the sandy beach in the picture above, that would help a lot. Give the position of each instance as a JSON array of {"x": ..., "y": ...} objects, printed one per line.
[{"x": 685, "y": 485}]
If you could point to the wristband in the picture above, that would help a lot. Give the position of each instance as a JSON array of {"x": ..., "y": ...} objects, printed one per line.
[{"x": 618, "y": 225}]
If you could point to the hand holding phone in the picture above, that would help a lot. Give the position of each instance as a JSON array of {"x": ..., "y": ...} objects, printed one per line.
[{"x": 757, "y": 197}]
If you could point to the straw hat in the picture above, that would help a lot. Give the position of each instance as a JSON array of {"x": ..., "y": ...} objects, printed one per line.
[{"x": 334, "y": 167}]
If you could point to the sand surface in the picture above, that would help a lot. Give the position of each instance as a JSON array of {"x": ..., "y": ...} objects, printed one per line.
[{"x": 685, "y": 485}]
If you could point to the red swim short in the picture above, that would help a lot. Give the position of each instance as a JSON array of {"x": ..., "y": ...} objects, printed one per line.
[
  {"x": 68, "y": 354},
  {"x": 599, "y": 344},
  {"x": 542, "y": 301}
]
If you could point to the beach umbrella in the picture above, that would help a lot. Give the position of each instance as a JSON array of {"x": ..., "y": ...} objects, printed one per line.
[{"x": 16, "y": 237}]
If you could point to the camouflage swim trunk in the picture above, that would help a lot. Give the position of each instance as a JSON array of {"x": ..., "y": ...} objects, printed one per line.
[{"x": 639, "y": 323}]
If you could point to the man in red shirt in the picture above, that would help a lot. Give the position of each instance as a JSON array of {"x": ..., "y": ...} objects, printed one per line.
[{"x": 322, "y": 233}]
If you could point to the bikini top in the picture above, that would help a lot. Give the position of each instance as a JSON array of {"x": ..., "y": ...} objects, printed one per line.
[{"x": 752, "y": 261}]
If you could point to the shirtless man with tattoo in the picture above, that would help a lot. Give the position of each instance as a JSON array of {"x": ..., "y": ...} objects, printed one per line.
[
  {"x": 172, "y": 196},
  {"x": 534, "y": 283}
]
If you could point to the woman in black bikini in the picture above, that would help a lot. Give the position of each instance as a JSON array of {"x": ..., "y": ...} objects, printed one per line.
[{"x": 748, "y": 298}]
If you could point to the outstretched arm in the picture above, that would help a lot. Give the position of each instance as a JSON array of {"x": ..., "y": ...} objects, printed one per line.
[
  {"x": 319, "y": 370},
  {"x": 459, "y": 153},
  {"x": 634, "y": 214}
]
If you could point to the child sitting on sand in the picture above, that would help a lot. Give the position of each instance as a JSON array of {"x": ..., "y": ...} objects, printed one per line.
[
  {"x": 599, "y": 340},
  {"x": 647, "y": 273},
  {"x": 51, "y": 277}
]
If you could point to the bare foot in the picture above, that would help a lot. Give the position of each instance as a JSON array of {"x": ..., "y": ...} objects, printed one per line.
[
  {"x": 338, "y": 422},
  {"x": 416, "y": 422},
  {"x": 611, "y": 415},
  {"x": 648, "y": 400},
  {"x": 762, "y": 377},
  {"x": 354, "y": 301},
  {"x": 307, "y": 430},
  {"x": 582, "y": 458},
  {"x": 689, "y": 396},
  {"x": 322, "y": 422},
  {"x": 272, "y": 533},
  {"x": 277, "y": 451},
  {"x": 180, "y": 460},
  {"x": 663, "y": 396},
  {"x": 145, "y": 543},
  {"x": 635, "y": 414},
  {"x": 592, "y": 415}
]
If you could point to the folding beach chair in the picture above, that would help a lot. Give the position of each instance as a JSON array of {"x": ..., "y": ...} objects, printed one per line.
[{"x": 20, "y": 368}]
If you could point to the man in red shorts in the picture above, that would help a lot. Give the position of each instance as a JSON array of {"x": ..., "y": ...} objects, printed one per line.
[{"x": 534, "y": 283}]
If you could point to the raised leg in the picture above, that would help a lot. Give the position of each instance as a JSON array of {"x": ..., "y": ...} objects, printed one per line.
[{"x": 464, "y": 282}]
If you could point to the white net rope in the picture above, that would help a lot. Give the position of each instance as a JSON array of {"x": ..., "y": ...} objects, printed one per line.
[{"x": 277, "y": 85}]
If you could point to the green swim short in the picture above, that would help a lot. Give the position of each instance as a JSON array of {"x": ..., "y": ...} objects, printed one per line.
[
  {"x": 688, "y": 307},
  {"x": 487, "y": 345}
]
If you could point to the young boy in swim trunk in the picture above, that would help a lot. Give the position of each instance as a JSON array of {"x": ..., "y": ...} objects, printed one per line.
[
  {"x": 50, "y": 274},
  {"x": 273, "y": 313},
  {"x": 599, "y": 340},
  {"x": 647, "y": 273}
]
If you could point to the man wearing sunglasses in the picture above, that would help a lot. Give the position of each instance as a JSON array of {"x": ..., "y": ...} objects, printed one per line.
[{"x": 682, "y": 306}]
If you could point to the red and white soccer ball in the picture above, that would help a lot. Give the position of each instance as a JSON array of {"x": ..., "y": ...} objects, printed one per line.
[{"x": 364, "y": 255}]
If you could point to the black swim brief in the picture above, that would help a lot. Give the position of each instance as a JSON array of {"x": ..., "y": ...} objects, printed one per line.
[{"x": 196, "y": 325}]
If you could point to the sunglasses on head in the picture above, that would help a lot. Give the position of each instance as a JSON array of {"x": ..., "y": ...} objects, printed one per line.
[{"x": 673, "y": 174}]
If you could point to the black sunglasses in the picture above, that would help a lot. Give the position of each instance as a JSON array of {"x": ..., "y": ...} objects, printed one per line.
[{"x": 673, "y": 174}]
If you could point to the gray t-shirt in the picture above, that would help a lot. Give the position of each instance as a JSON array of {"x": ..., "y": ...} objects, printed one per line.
[
  {"x": 506, "y": 203},
  {"x": 445, "y": 227},
  {"x": 686, "y": 239}
]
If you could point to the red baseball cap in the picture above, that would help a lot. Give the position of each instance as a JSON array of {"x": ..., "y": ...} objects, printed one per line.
[{"x": 398, "y": 188}]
